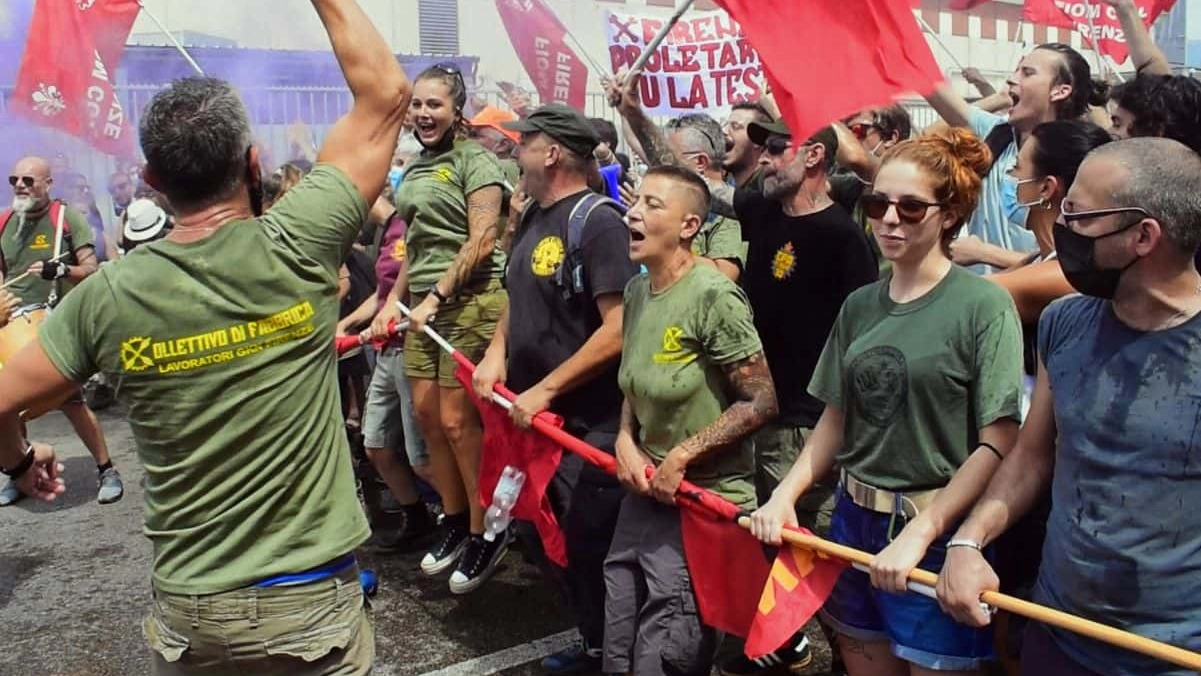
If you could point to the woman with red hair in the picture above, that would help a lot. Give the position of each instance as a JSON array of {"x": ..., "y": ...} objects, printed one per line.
[{"x": 921, "y": 381}]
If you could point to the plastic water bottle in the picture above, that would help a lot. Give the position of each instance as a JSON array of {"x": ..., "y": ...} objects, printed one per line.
[
  {"x": 499, "y": 514},
  {"x": 369, "y": 582}
]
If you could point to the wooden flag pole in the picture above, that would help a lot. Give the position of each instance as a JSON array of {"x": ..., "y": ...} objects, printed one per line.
[
  {"x": 1034, "y": 611},
  {"x": 934, "y": 36},
  {"x": 179, "y": 47}
]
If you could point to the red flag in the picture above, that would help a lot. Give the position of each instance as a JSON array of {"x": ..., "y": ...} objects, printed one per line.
[
  {"x": 800, "y": 582},
  {"x": 728, "y": 567},
  {"x": 1110, "y": 39},
  {"x": 532, "y": 453},
  {"x": 960, "y": 5},
  {"x": 540, "y": 40},
  {"x": 65, "y": 76},
  {"x": 811, "y": 51}
]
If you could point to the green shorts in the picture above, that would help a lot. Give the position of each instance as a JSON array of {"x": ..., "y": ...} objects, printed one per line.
[
  {"x": 467, "y": 321},
  {"x": 776, "y": 450}
]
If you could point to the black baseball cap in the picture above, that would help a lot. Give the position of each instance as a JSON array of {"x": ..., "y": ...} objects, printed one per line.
[
  {"x": 564, "y": 124},
  {"x": 759, "y": 132}
]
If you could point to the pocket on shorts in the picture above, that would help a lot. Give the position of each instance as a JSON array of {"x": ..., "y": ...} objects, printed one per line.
[
  {"x": 684, "y": 646},
  {"x": 311, "y": 635},
  {"x": 164, "y": 640}
]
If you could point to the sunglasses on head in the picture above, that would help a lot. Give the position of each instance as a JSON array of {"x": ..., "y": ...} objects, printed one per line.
[
  {"x": 909, "y": 209},
  {"x": 450, "y": 69},
  {"x": 27, "y": 181},
  {"x": 861, "y": 129}
]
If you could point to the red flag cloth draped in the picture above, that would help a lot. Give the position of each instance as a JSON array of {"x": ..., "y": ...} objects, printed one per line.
[
  {"x": 813, "y": 50},
  {"x": 540, "y": 40},
  {"x": 532, "y": 453},
  {"x": 1110, "y": 39},
  {"x": 799, "y": 584}
]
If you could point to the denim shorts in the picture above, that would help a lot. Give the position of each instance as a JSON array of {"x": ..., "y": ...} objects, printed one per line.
[
  {"x": 918, "y": 630},
  {"x": 388, "y": 417}
]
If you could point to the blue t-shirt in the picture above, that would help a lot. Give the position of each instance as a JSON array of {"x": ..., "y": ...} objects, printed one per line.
[
  {"x": 1123, "y": 540},
  {"x": 989, "y": 221}
]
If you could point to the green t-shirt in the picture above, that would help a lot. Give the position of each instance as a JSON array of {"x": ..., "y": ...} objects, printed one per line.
[
  {"x": 512, "y": 172},
  {"x": 916, "y": 381},
  {"x": 675, "y": 345},
  {"x": 433, "y": 202},
  {"x": 225, "y": 352},
  {"x": 21, "y": 248},
  {"x": 720, "y": 238}
]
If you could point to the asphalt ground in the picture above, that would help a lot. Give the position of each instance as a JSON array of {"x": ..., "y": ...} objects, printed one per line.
[{"x": 75, "y": 585}]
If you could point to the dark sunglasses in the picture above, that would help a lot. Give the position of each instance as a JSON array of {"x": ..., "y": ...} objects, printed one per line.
[
  {"x": 27, "y": 181},
  {"x": 910, "y": 210},
  {"x": 862, "y": 129},
  {"x": 776, "y": 145}
]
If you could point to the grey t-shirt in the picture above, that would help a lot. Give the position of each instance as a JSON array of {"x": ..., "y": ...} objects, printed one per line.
[{"x": 1123, "y": 541}]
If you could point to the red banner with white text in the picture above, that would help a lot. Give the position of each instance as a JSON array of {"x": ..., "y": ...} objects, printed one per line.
[
  {"x": 65, "y": 79},
  {"x": 1106, "y": 29},
  {"x": 540, "y": 40}
]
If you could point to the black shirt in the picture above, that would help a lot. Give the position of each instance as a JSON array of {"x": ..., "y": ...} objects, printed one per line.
[
  {"x": 799, "y": 270},
  {"x": 544, "y": 328}
]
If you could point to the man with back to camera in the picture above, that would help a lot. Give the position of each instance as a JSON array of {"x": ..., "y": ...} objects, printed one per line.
[
  {"x": 52, "y": 245},
  {"x": 230, "y": 376}
]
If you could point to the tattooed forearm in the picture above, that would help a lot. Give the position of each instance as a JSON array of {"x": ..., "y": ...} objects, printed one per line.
[
  {"x": 722, "y": 198},
  {"x": 653, "y": 142},
  {"x": 755, "y": 406},
  {"x": 483, "y": 227}
]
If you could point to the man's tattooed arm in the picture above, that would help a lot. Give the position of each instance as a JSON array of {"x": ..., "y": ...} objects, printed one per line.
[
  {"x": 755, "y": 405},
  {"x": 483, "y": 227},
  {"x": 651, "y": 137},
  {"x": 721, "y": 198}
]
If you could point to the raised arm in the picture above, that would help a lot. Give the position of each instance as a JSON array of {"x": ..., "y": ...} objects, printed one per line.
[
  {"x": 622, "y": 90},
  {"x": 950, "y": 106},
  {"x": 362, "y": 141},
  {"x": 1146, "y": 56}
]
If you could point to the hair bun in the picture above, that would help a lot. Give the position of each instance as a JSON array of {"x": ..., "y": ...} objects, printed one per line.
[
  {"x": 966, "y": 149},
  {"x": 1099, "y": 95}
]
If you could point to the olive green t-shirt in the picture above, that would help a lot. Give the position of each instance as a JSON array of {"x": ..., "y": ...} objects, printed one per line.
[
  {"x": 224, "y": 348},
  {"x": 22, "y": 248},
  {"x": 675, "y": 344},
  {"x": 916, "y": 381},
  {"x": 720, "y": 238},
  {"x": 433, "y": 201}
]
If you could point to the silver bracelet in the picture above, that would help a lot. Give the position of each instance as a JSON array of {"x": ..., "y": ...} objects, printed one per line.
[{"x": 963, "y": 542}]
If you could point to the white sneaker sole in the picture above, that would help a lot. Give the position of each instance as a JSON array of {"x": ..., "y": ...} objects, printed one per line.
[
  {"x": 460, "y": 584},
  {"x": 432, "y": 566}
]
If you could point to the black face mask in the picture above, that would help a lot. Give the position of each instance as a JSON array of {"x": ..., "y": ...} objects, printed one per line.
[
  {"x": 443, "y": 143},
  {"x": 1077, "y": 257}
]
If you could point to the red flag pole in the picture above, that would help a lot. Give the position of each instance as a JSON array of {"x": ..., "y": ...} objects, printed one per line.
[
  {"x": 699, "y": 498},
  {"x": 179, "y": 47}
]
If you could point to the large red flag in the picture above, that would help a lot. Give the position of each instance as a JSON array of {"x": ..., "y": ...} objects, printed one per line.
[
  {"x": 826, "y": 59},
  {"x": 1109, "y": 37},
  {"x": 65, "y": 80},
  {"x": 532, "y": 453},
  {"x": 540, "y": 40}
]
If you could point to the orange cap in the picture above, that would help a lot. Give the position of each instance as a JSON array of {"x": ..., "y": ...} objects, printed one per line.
[{"x": 491, "y": 116}]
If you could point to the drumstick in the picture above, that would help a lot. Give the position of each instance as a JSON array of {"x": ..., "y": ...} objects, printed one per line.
[{"x": 19, "y": 277}]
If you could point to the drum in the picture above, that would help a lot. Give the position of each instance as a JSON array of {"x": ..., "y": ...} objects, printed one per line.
[{"x": 22, "y": 330}]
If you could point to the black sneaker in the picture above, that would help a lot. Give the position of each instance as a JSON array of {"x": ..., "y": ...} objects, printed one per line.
[
  {"x": 478, "y": 563},
  {"x": 794, "y": 659},
  {"x": 414, "y": 526},
  {"x": 446, "y": 551}
]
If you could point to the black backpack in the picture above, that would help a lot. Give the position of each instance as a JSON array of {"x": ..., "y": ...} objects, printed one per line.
[{"x": 998, "y": 140}]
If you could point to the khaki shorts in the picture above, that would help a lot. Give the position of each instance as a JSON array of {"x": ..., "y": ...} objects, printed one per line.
[
  {"x": 776, "y": 450},
  {"x": 467, "y": 321}
]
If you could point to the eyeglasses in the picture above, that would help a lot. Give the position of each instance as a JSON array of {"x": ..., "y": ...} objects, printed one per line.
[
  {"x": 910, "y": 210},
  {"x": 862, "y": 129},
  {"x": 776, "y": 145},
  {"x": 1070, "y": 217},
  {"x": 27, "y": 181}
]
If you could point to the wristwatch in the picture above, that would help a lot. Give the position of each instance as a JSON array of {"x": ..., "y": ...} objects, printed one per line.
[
  {"x": 437, "y": 294},
  {"x": 22, "y": 467}
]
